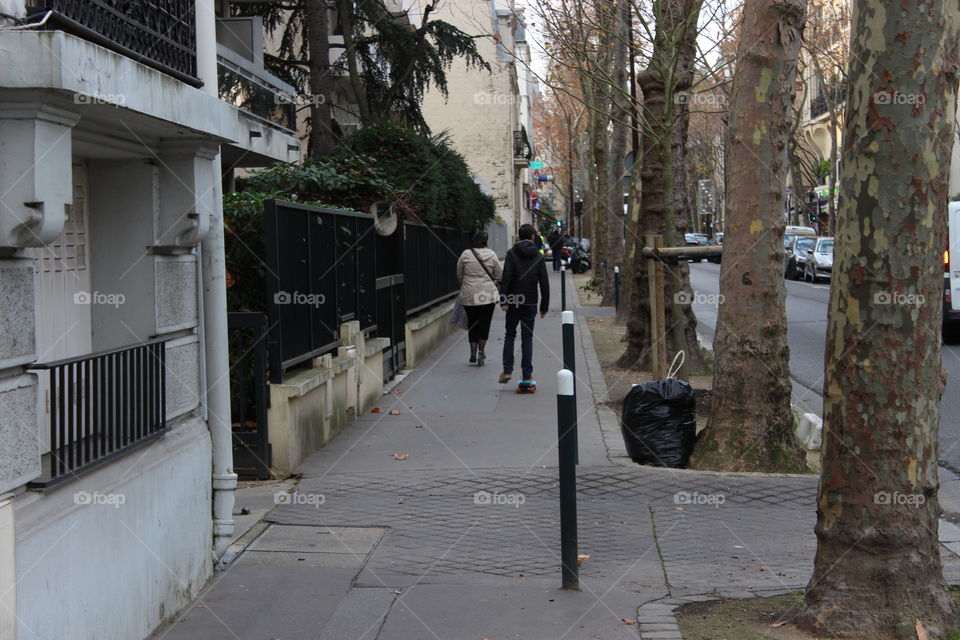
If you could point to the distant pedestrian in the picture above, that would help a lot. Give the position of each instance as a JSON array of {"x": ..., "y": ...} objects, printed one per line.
[
  {"x": 538, "y": 240},
  {"x": 524, "y": 271},
  {"x": 478, "y": 272},
  {"x": 556, "y": 243}
]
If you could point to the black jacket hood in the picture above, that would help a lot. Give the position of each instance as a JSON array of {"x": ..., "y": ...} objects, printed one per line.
[{"x": 526, "y": 249}]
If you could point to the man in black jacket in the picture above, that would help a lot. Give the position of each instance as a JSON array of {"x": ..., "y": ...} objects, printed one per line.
[
  {"x": 524, "y": 271},
  {"x": 556, "y": 242}
]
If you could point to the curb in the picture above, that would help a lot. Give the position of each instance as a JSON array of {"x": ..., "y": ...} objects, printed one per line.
[
  {"x": 657, "y": 621},
  {"x": 609, "y": 422}
]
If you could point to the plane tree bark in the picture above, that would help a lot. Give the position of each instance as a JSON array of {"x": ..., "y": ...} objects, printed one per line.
[
  {"x": 877, "y": 572},
  {"x": 751, "y": 425},
  {"x": 663, "y": 186}
]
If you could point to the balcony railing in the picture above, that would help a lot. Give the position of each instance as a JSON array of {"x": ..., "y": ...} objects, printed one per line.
[
  {"x": 101, "y": 405},
  {"x": 821, "y": 103},
  {"x": 159, "y": 33},
  {"x": 522, "y": 151}
]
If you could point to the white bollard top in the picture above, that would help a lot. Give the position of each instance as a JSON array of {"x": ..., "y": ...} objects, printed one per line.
[
  {"x": 616, "y": 269},
  {"x": 564, "y": 382},
  {"x": 566, "y": 317},
  {"x": 563, "y": 267}
]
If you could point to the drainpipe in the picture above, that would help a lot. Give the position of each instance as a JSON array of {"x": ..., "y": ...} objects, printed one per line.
[{"x": 217, "y": 361}]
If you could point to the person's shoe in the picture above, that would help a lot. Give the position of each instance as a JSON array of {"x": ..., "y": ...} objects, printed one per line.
[
  {"x": 481, "y": 357},
  {"x": 505, "y": 377},
  {"x": 473, "y": 358}
]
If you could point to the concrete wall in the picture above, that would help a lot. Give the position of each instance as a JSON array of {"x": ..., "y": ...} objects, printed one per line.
[
  {"x": 116, "y": 552},
  {"x": 313, "y": 405},
  {"x": 426, "y": 330},
  {"x": 498, "y": 238}
]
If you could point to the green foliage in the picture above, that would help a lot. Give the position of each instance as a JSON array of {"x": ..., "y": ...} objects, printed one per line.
[
  {"x": 432, "y": 181},
  {"x": 351, "y": 180},
  {"x": 424, "y": 178},
  {"x": 824, "y": 167},
  {"x": 398, "y": 64}
]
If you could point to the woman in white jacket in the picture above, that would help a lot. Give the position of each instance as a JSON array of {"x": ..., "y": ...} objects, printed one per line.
[{"x": 478, "y": 272}]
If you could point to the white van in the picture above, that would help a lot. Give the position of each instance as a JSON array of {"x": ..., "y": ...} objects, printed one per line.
[{"x": 951, "y": 266}]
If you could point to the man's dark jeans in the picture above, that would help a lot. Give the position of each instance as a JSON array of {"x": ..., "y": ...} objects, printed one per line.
[
  {"x": 556, "y": 259},
  {"x": 524, "y": 315}
]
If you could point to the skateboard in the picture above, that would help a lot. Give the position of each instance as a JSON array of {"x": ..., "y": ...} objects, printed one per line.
[{"x": 527, "y": 386}]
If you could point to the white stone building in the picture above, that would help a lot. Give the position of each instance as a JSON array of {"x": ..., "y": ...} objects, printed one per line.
[
  {"x": 116, "y": 479},
  {"x": 488, "y": 114}
]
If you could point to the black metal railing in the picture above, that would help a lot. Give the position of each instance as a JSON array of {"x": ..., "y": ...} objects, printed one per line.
[
  {"x": 320, "y": 273},
  {"x": 101, "y": 405},
  {"x": 430, "y": 264},
  {"x": 158, "y": 33},
  {"x": 821, "y": 103},
  {"x": 249, "y": 396},
  {"x": 521, "y": 145},
  {"x": 325, "y": 267}
]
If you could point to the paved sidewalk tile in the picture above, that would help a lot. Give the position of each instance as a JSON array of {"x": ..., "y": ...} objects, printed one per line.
[{"x": 460, "y": 538}]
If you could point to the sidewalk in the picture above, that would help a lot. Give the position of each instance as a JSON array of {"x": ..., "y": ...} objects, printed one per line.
[{"x": 459, "y": 539}]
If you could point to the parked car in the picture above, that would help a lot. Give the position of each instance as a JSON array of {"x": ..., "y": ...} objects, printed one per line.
[
  {"x": 717, "y": 241},
  {"x": 793, "y": 231},
  {"x": 795, "y": 256},
  {"x": 951, "y": 269},
  {"x": 819, "y": 262},
  {"x": 696, "y": 240}
]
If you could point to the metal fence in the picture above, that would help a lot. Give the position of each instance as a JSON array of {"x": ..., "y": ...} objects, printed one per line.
[
  {"x": 327, "y": 266},
  {"x": 249, "y": 396},
  {"x": 101, "y": 405}
]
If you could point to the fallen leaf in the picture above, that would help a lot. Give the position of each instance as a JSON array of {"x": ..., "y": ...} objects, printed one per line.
[
  {"x": 777, "y": 625},
  {"x": 628, "y": 621},
  {"x": 921, "y": 630},
  {"x": 394, "y": 412},
  {"x": 396, "y": 592},
  {"x": 581, "y": 558},
  {"x": 401, "y": 456},
  {"x": 396, "y": 391},
  {"x": 375, "y": 410},
  {"x": 761, "y": 568},
  {"x": 419, "y": 426}
]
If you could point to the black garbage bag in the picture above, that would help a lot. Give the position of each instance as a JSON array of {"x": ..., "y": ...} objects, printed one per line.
[{"x": 659, "y": 423}]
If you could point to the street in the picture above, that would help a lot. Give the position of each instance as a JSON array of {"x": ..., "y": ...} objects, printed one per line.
[{"x": 806, "y": 332}]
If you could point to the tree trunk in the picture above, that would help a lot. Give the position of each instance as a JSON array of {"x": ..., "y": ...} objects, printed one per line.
[
  {"x": 877, "y": 570},
  {"x": 751, "y": 425},
  {"x": 321, "y": 80},
  {"x": 345, "y": 21},
  {"x": 620, "y": 115},
  {"x": 663, "y": 200}
]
